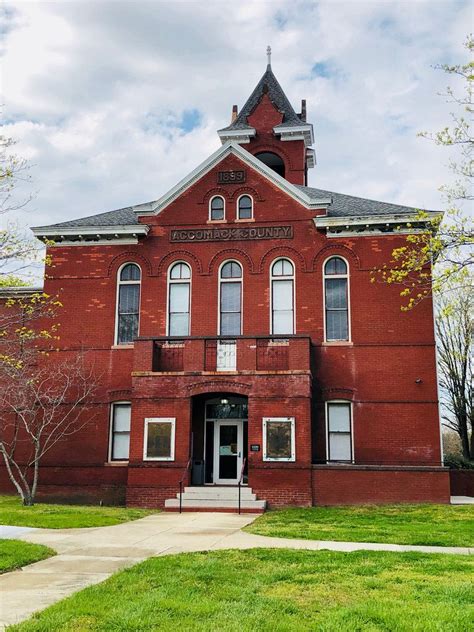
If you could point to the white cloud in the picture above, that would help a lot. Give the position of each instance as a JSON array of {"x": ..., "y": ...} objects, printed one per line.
[{"x": 95, "y": 93}]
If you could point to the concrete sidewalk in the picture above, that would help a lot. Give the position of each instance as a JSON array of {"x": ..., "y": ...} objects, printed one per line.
[{"x": 88, "y": 556}]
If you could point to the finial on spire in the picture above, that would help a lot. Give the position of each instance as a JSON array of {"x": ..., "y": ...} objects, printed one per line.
[{"x": 269, "y": 55}]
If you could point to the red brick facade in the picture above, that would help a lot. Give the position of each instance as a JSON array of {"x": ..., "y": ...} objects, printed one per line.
[{"x": 386, "y": 370}]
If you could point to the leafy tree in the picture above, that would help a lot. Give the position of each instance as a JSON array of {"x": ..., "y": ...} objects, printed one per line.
[{"x": 438, "y": 253}]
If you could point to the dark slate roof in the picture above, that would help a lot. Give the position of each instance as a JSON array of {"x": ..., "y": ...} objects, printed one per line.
[
  {"x": 350, "y": 206},
  {"x": 268, "y": 83},
  {"x": 120, "y": 217}
]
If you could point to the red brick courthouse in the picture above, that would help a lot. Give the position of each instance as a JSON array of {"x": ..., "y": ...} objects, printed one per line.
[{"x": 238, "y": 335}]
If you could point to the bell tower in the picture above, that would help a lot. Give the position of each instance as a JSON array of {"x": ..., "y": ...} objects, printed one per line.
[{"x": 272, "y": 131}]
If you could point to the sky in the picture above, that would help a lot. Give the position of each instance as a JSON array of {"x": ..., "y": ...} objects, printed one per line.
[{"x": 112, "y": 103}]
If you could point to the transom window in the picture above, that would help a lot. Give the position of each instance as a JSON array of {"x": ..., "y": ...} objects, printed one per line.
[
  {"x": 336, "y": 299},
  {"x": 339, "y": 429},
  {"x": 244, "y": 207},
  {"x": 217, "y": 208},
  {"x": 230, "y": 304},
  {"x": 128, "y": 304},
  {"x": 282, "y": 289},
  {"x": 179, "y": 292}
]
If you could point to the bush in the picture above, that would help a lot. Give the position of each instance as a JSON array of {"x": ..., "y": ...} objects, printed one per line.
[{"x": 457, "y": 462}]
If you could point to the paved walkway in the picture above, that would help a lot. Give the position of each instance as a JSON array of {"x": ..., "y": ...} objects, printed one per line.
[{"x": 88, "y": 556}]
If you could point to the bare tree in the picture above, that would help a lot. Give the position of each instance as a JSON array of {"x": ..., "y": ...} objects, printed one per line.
[
  {"x": 455, "y": 335},
  {"x": 42, "y": 402}
]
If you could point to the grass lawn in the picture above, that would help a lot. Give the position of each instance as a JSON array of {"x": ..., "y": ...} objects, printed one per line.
[
  {"x": 15, "y": 554},
  {"x": 441, "y": 525},
  {"x": 12, "y": 512},
  {"x": 277, "y": 590}
]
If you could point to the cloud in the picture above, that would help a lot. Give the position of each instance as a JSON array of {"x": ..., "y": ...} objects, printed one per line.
[{"x": 114, "y": 102}]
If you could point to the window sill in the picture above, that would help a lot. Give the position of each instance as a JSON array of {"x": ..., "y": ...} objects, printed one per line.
[
  {"x": 337, "y": 343},
  {"x": 127, "y": 346},
  {"x": 116, "y": 464},
  {"x": 217, "y": 221},
  {"x": 239, "y": 221}
]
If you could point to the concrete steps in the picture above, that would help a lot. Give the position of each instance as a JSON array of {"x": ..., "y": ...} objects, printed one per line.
[{"x": 217, "y": 498}]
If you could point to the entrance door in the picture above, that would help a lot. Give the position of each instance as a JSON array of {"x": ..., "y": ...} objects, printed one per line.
[{"x": 228, "y": 450}]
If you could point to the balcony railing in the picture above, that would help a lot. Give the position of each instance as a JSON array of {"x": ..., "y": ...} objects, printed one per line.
[{"x": 222, "y": 354}]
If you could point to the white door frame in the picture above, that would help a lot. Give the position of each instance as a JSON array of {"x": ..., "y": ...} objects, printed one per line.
[{"x": 240, "y": 451}]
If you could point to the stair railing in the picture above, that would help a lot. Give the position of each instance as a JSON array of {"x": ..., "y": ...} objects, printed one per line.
[
  {"x": 240, "y": 480},
  {"x": 181, "y": 483}
]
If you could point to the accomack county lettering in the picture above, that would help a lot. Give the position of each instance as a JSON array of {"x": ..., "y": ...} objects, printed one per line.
[{"x": 231, "y": 234}]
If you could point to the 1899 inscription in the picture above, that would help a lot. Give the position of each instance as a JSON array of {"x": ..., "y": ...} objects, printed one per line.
[{"x": 231, "y": 177}]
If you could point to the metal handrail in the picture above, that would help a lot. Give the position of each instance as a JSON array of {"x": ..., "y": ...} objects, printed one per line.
[
  {"x": 188, "y": 465},
  {"x": 241, "y": 477}
]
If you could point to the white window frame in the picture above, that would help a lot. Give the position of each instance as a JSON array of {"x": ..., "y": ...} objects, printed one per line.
[
  {"x": 337, "y": 276},
  {"x": 326, "y": 408},
  {"x": 220, "y": 281},
  {"x": 117, "y": 294},
  {"x": 244, "y": 219},
  {"x": 164, "y": 420},
  {"x": 283, "y": 278},
  {"x": 170, "y": 281},
  {"x": 290, "y": 420},
  {"x": 210, "y": 214},
  {"x": 111, "y": 431}
]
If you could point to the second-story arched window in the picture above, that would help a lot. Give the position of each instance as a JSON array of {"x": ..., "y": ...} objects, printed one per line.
[
  {"x": 128, "y": 303},
  {"x": 336, "y": 299},
  {"x": 217, "y": 208},
  {"x": 179, "y": 293},
  {"x": 282, "y": 280},
  {"x": 244, "y": 207},
  {"x": 230, "y": 299}
]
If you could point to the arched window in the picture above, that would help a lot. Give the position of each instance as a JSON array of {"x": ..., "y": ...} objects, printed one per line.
[
  {"x": 273, "y": 161},
  {"x": 216, "y": 208},
  {"x": 128, "y": 303},
  {"x": 336, "y": 299},
  {"x": 230, "y": 302},
  {"x": 282, "y": 279},
  {"x": 244, "y": 207},
  {"x": 179, "y": 286}
]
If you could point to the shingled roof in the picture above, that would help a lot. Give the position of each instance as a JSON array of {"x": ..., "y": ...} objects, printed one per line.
[
  {"x": 343, "y": 205},
  {"x": 267, "y": 84}
]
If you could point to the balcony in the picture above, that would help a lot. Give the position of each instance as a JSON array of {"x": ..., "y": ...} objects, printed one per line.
[{"x": 222, "y": 354}]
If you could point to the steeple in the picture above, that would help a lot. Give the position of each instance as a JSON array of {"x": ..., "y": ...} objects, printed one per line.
[{"x": 268, "y": 118}]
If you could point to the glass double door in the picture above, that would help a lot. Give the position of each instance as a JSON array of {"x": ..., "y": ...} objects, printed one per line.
[{"x": 228, "y": 451}]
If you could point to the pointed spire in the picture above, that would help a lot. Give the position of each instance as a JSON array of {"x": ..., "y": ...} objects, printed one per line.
[{"x": 269, "y": 57}]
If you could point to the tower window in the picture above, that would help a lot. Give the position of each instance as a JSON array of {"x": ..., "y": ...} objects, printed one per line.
[
  {"x": 216, "y": 208},
  {"x": 273, "y": 161}
]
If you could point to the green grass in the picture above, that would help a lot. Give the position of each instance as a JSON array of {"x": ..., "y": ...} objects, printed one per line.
[
  {"x": 274, "y": 590},
  {"x": 437, "y": 525},
  {"x": 12, "y": 512},
  {"x": 15, "y": 554}
]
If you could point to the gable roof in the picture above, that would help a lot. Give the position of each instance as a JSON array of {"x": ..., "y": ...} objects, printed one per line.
[{"x": 268, "y": 84}]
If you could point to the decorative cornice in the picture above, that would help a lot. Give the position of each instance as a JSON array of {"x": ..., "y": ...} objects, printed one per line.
[{"x": 92, "y": 235}]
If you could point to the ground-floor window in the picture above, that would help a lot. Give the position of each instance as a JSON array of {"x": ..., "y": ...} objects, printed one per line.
[
  {"x": 120, "y": 431},
  {"x": 339, "y": 431},
  {"x": 278, "y": 438},
  {"x": 159, "y": 439}
]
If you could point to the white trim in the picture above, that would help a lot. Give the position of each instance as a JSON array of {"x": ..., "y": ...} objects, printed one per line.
[
  {"x": 98, "y": 242},
  {"x": 111, "y": 431},
  {"x": 244, "y": 219},
  {"x": 169, "y": 281},
  {"x": 310, "y": 157},
  {"x": 162, "y": 420},
  {"x": 291, "y": 420},
  {"x": 126, "y": 234},
  {"x": 216, "y": 479},
  {"x": 224, "y": 209},
  {"x": 388, "y": 219},
  {"x": 241, "y": 281},
  {"x": 230, "y": 148},
  {"x": 291, "y": 278},
  {"x": 337, "y": 276},
  {"x": 117, "y": 290},
  {"x": 238, "y": 135},
  {"x": 351, "y": 414}
]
